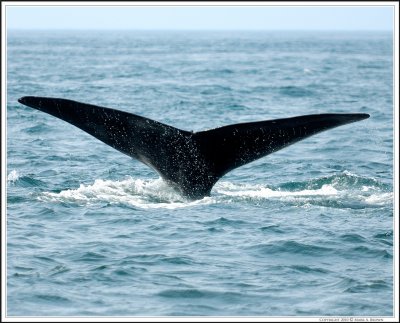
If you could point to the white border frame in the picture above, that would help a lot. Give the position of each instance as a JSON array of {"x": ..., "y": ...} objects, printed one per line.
[{"x": 396, "y": 83}]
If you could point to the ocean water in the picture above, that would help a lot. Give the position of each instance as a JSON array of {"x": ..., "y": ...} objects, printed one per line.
[{"x": 306, "y": 231}]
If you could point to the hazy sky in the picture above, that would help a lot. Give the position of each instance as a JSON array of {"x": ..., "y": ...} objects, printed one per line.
[{"x": 200, "y": 17}]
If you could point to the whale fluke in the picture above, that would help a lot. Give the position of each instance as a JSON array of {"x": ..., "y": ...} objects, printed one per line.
[{"x": 191, "y": 162}]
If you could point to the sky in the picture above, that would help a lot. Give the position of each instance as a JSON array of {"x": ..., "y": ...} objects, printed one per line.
[{"x": 200, "y": 17}]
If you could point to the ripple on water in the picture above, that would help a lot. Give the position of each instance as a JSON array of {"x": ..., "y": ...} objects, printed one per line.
[
  {"x": 275, "y": 228},
  {"x": 367, "y": 252},
  {"x": 295, "y": 91},
  {"x": 292, "y": 247},
  {"x": 385, "y": 238},
  {"x": 91, "y": 257},
  {"x": 222, "y": 221},
  {"x": 25, "y": 181},
  {"x": 353, "y": 237},
  {"x": 370, "y": 287},
  {"x": 58, "y": 270},
  {"x": 193, "y": 293},
  {"x": 52, "y": 298},
  {"x": 310, "y": 269}
]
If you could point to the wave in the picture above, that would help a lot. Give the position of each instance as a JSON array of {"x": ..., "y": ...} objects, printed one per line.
[
  {"x": 153, "y": 193},
  {"x": 15, "y": 178},
  {"x": 343, "y": 190},
  {"x": 291, "y": 247},
  {"x": 295, "y": 91}
]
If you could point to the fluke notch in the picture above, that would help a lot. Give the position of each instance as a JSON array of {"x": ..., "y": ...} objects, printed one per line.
[{"x": 191, "y": 162}]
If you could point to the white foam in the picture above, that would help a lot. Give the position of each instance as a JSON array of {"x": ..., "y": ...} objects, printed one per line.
[
  {"x": 13, "y": 176},
  {"x": 379, "y": 199},
  {"x": 155, "y": 193},
  {"x": 307, "y": 71},
  {"x": 259, "y": 191},
  {"x": 133, "y": 192}
]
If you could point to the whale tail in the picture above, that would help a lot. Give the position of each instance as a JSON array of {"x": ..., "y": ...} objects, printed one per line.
[{"x": 190, "y": 162}]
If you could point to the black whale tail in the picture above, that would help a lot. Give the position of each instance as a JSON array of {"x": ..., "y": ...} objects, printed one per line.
[
  {"x": 235, "y": 145},
  {"x": 191, "y": 162}
]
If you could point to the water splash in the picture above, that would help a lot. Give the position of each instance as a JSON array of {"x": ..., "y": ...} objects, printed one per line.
[
  {"x": 344, "y": 190},
  {"x": 154, "y": 193},
  {"x": 13, "y": 176},
  {"x": 260, "y": 191}
]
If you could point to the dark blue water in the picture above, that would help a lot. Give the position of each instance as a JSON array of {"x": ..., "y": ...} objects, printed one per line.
[{"x": 305, "y": 231}]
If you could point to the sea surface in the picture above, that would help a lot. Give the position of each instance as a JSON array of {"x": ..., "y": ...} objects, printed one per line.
[{"x": 305, "y": 231}]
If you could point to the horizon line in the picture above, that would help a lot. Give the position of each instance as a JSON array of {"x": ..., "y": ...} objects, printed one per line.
[{"x": 197, "y": 30}]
